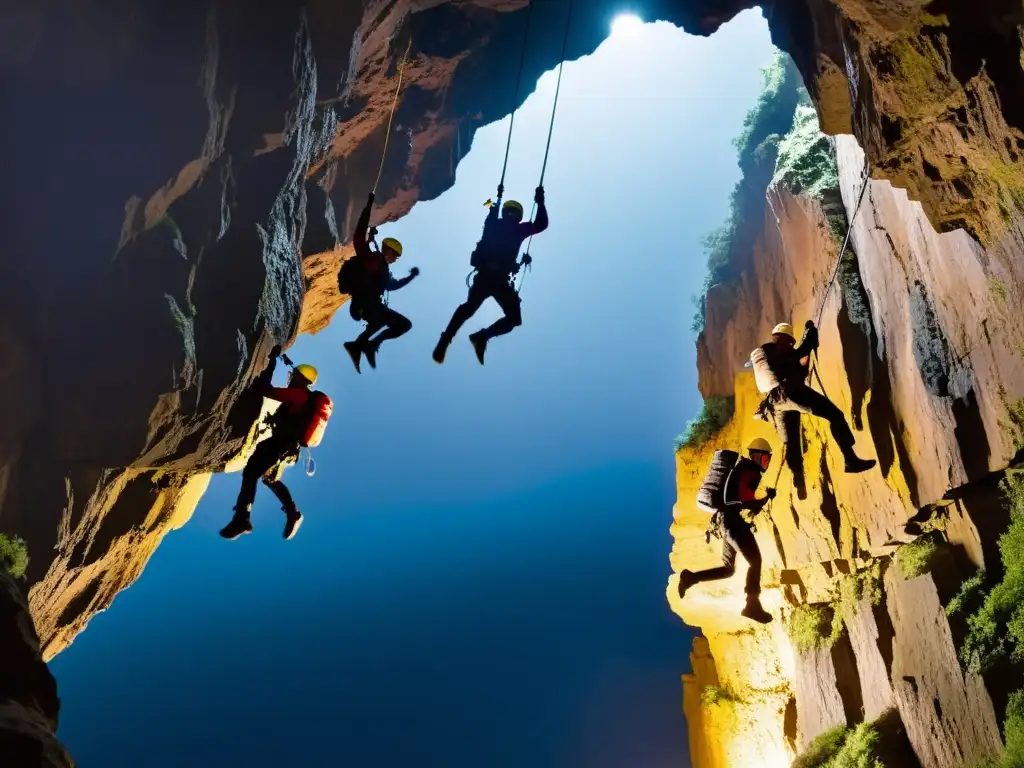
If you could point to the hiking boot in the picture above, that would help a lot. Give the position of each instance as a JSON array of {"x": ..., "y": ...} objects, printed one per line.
[
  {"x": 685, "y": 582},
  {"x": 441, "y": 349},
  {"x": 371, "y": 354},
  {"x": 754, "y": 611},
  {"x": 292, "y": 523},
  {"x": 239, "y": 526},
  {"x": 355, "y": 351},
  {"x": 855, "y": 464},
  {"x": 479, "y": 342}
]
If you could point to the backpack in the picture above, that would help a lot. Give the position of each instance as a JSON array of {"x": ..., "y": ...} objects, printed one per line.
[
  {"x": 349, "y": 275},
  {"x": 316, "y": 414},
  {"x": 711, "y": 496}
]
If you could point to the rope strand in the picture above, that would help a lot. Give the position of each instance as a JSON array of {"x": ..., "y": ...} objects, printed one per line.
[
  {"x": 515, "y": 103},
  {"x": 391, "y": 117}
]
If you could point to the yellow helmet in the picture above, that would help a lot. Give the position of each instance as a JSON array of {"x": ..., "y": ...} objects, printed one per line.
[
  {"x": 785, "y": 329},
  {"x": 513, "y": 204},
  {"x": 308, "y": 372},
  {"x": 759, "y": 444},
  {"x": 392, "y": 243}
]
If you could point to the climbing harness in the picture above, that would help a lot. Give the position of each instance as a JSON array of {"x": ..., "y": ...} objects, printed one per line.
[
  {"x": 391, "y": 117},
  {"x": 551, "y": 131}
]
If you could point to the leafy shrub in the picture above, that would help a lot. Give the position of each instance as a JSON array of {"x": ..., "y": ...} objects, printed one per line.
[
  {"x": 806, "y": 160},
  {"x": 918, "y": 557},
  {"x": 814, "y": 627},
  {"x": 712, "y": 695},
  {"x": 841, "y": 747},
  {"x": 970, "y": 597},
  {"x": 14, "y": 555},
  {"x": 713, "y": 416},
  {"x": 996, "y": 628}
]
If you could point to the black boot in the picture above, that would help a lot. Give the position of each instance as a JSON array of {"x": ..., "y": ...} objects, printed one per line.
[
  {"x": 685, "y": 582},
  {"x": 754, "y": 610},
  {"x": 293, "y": 519},
  {"x": 239, "y": 525},
  {"x": 370, "y": 350},
  {"x": 355, "y": 351},
  {"x": 441, "y": 348},
  {"x": 479, "y": 342},
  {"x": 854, "y": 464}
]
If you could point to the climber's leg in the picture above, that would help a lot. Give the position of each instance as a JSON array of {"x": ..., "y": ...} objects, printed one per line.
[
  {"x": 263, "y": 459},
  {"x": 478, "y": 294},
  {"x": 787, "y": 424},
  {"x": 806, "y": 400}
]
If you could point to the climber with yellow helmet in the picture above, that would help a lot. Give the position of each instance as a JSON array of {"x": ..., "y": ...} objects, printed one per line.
[
  {"x": 780, "y": 369},
  {"x": 729, "y": 488},
  {"x": 365, "y": 278},
  {"x": 299, "y": 422},
  {"x": 496, "y": 261}
]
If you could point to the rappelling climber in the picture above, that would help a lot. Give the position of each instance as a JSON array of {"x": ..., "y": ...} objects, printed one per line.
[
  {"x": 299, "y": 422},
  {"x": 729, "y": 488},
  {"x": 365, "y": 278},
  {"x": 496, "y": 260},
  {"x": 781, "y": 369}
]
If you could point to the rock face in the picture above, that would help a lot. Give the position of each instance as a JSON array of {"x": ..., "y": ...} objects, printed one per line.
[
  {"x": 182, "y": 181},
  {"x": 28, "y": 692},
  {"x": 919, "y": 348}
]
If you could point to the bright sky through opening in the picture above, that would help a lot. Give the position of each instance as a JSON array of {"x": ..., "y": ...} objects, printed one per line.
[{"x": 626, "y": 23}]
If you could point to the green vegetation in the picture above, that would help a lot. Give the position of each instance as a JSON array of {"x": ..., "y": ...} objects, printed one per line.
[
  {"x": 13, "y": 555},
  {"x": 714, "y": 695},
  {"x": 714, "y": 415},
  {"x": 995, "y": 628},
  {"x": 814, "y": 627},
  {"x": 757, "y": 146},
  {"x": 919, "y": 556},
  {"x": 842, "y": 747},
  {"x": 1014, "y": 423},
  {"x": 806, "y": 161},
  {"x": 998, "y": 288},
  {"x": 970, "y": 597}
]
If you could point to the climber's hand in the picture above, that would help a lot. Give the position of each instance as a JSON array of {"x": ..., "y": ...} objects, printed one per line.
[
  {"x": 527, "y": 260},
  {"x": 809, "y": 324},
  {"x": 414, "y": 272},
  {"x": 501, "y": 190},
  {"x": 370, "y": 198},
  {"x": 275, "y": 352},
  {"x": 538, "y": 196},
  {"x": 770, "y": 493}
]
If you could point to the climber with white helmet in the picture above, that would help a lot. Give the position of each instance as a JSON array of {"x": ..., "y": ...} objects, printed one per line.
[
  {"x": 299, "y": 422},
  {"x": 780, "y": 369},
  {"x": 365, "y": 278},
  {"x": 496, "y": 261},
  {"x": 729, "y": 488}
]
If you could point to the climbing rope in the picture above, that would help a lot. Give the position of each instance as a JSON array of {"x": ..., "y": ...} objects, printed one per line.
[
  {"x": 391, "y": 117},
  {"x": 515, "y": 102},
  {"x": 551, "y": 131}
]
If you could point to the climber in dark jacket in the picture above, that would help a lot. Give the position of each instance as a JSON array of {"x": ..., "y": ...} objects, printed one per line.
[
  {"x": 782, "y": 368},
  {"x": 367, "y": 299},
  {"x": 737, "y": 534},
  {"x": 496, "y": 261},
  {"x": 279, "y": 451}
]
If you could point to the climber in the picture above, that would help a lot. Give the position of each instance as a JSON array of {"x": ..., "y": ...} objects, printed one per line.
[
  {"x": 781, "y": 368},
  {"x": 496, "y": 262},
  {"x": 365, "y": 278},
  {"x": 737, "y": 493},
  {"x": 298, "y": 422}
]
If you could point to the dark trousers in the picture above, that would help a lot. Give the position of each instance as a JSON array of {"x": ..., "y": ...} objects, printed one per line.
[
  {"x": 737, "y": 536},
  {"x": 489, "y": 285},
  {"x": 267, "y": 462},
  {"x": 795, "y": 399},
  {"x": 377, "y": 316}
]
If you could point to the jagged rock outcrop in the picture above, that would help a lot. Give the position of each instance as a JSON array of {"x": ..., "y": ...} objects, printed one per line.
[
  {"x": 919, "y": 347},
  {"x": 28, "y": 692},
  {"x": 181, "y": 180}
]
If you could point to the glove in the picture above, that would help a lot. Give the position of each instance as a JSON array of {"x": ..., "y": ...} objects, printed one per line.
[
  {"x": 527, "y": 260},
  {"x": 275, "y": 352},
  {"x": 370, "y": 198},
  {"x": 770, "y": 493},
  {"x": 810, "y": 340},
  {"x": 538, "y": 196},
  {"x": 414, "y": 271}
]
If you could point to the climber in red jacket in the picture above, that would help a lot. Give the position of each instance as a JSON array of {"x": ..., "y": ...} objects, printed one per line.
[
  {"x": 736, "y": 533},
  {"x": 496, "y": 262},
  {"x": 366, "y": 277},
  {"x": 279, "y": 451}
]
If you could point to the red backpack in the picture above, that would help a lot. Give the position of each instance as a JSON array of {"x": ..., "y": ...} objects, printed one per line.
[{"x": 316, "y": 413}]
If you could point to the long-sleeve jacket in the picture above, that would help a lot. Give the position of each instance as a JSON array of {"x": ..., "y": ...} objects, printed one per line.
[
  {"x": 376, "y": 277},
  {"x": 293, "y": 400},
  {"x": 502, "y": 238},
  {"x": 741, "y": 486}
]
